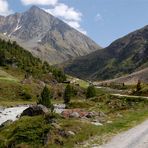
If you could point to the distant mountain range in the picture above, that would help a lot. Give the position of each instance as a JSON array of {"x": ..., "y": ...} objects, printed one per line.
[
  {"x": 124, "y": 56},
  {"x": 46, "y": 36},
  {"x": 52, "y": 40}
]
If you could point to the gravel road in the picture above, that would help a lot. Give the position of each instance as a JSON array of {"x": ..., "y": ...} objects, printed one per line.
[
  {"x": 130, "y": 96},
  {"x": 136, "y": 137}
]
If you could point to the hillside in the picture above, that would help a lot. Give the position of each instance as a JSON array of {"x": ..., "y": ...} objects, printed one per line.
[
  {"x": 46, "y": 36},
  {"x": 133, "y": 78},
  {"x": 23, "y": 76},
  {"x": 14, "y": 56},
  {"x": 22, "y": 81},
  {"x": 122, "y": 57}
]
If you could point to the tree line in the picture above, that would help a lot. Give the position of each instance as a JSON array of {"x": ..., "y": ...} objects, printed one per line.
[{"x": 11, "y": 54}]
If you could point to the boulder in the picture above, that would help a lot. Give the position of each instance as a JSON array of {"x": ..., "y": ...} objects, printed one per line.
[
  {"x": 74, "y": 115},
  {"x": 44, "y": 108},
  {"x": 91, "y": 115},
  {"x": 35, "y": 110},
  {"x": 97, "y": 123},
  {"x": 70, "y": 133},
  {"x": 119, "y": 115}
]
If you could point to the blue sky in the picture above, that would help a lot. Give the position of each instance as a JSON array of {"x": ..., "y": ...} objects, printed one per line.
[{"x": 102, "y": 20}]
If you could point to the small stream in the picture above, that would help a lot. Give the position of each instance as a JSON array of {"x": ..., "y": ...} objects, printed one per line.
[{"x": 11, "y": 113}]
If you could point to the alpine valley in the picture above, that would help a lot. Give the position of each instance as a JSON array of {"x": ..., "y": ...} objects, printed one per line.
[{"x": 59, "y": 89}]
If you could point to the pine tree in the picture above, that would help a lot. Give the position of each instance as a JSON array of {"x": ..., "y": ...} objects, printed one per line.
[
  {"x": 138, "y": 86},
  {"x": 67, "y": 94},
  {"x": 46, "y": 97},
  {"x": 2, "y": 58},
  {"x": 91, "y": 92}
]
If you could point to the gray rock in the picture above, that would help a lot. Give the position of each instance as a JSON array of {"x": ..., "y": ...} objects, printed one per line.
[
  {"x": 18, "y": 116},
  {"x": 119, "y": 115},
  {"x": 97, "y": 123},
  {"x": 74, "y": 115},
  {"x": 35, "y": 110},
  {"x": 109, "y": 122},
  {"x": 70, "y": 133},
  {"x": 44, "y": 108},
  {"x": 91, "y": 115}
]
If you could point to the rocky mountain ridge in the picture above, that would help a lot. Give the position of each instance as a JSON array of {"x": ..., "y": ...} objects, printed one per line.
[
  {"x": 46, "y": 36},
  {"x": 122, "y": 57}
]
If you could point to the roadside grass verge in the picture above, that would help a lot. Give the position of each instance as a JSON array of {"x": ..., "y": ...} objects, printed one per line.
[
  {"x": 130, "y": 119},
  {"x": 87, "y": 134}
]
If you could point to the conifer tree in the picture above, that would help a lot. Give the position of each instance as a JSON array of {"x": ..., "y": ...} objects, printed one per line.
[
  {"x": 46, "y": 97},
  {"x": 67, "y": 94},
  {"x": 138, "y": 86},
  {"x": 91, "y": 92}
]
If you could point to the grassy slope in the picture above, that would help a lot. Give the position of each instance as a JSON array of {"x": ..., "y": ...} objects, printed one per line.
[
  {"x": 27, "y": 130},
  {"x": 5, "y": 76},
  {"x": 11, "y": 89}
]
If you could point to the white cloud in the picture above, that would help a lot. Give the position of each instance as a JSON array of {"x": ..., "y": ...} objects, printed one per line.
[
  {"x": 68, "y": 15},
  {"x": 98, "y": 17},
  {"x": 4, "y": 8},
  {"x": 62, "y": 10},
  {"x": 39, "y": 2},
  {"x": 76, "y": 25}
]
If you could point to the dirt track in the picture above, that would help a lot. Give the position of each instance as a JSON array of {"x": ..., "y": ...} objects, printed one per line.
[
  {"x": 130, "y": 96},
  {"x": 136, "y": 137}
]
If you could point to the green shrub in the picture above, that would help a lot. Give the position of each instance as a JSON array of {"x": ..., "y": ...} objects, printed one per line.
[
  {"x": 91, "y": 92},
  {"x": 138, "y": 87},
  {"x": 26, "y": 96},
  {"x": 31, "y": 131}
]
